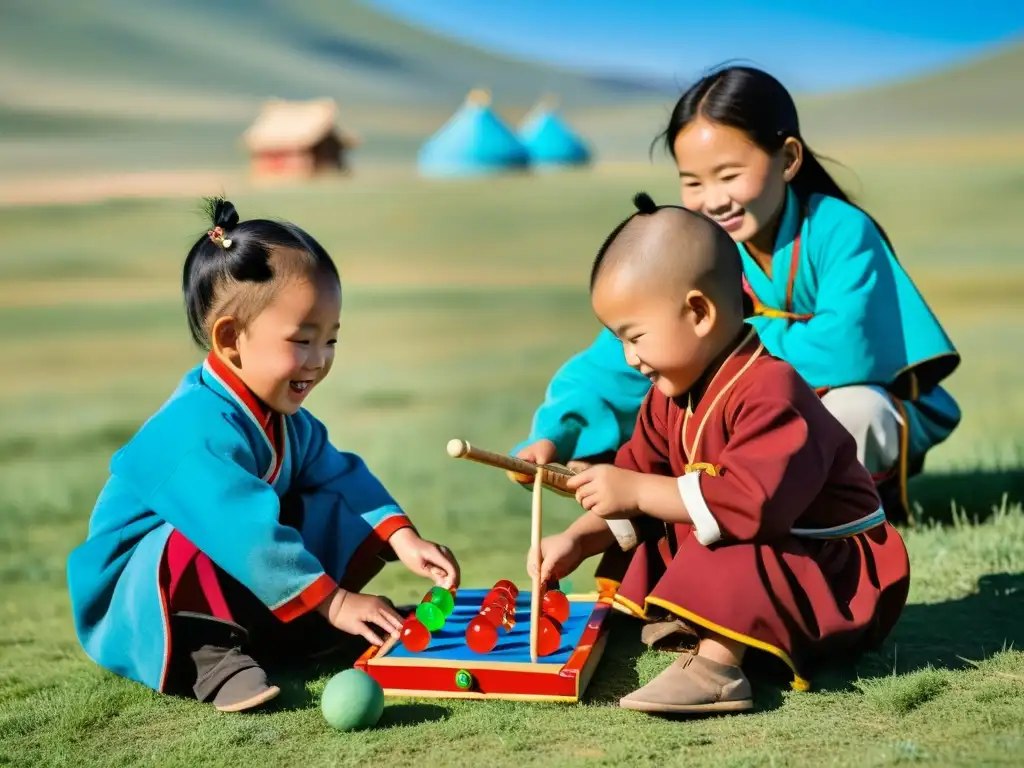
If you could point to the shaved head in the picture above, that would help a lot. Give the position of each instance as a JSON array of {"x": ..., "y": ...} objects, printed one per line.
[
  {"x": 669, "y": 284},
  {"x": 669, "y": 248}
]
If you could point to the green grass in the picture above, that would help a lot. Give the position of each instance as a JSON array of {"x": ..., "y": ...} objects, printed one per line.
[{"x": 460, "y": 301}]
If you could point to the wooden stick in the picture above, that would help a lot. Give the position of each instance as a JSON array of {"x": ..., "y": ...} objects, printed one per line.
[
  {"x": 554, "y": 477},
  {"x": 535, "y": 596}
]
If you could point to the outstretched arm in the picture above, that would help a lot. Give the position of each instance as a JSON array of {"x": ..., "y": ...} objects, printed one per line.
[
  {"x": 591, "y": 404},
  {"x": 350, "y": 516},
  {"x": 343, "y": 480}
]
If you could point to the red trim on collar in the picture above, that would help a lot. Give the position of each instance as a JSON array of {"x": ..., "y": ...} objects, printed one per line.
[{"x": 236, "y": 385}]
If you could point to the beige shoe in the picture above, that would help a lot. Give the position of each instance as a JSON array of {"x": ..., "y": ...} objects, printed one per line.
[
  {"x": 693, "y": 685},
  {"x": 673, "y": 634}
]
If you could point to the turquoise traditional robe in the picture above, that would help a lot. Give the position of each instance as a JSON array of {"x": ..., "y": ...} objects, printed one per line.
[
  {"x": 862, "y": 321},
  {"x": 205, "y": 465}
]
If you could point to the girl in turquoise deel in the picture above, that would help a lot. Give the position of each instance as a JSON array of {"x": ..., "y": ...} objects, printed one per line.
[
  {"x": 231, "y": 531},
  {"x": 827, "y": 293}
]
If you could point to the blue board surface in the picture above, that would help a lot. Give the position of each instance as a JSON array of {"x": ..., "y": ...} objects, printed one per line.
[{"x": 449, "y": 642}]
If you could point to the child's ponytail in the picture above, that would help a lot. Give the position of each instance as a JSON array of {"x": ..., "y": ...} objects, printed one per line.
[
  {"x": 237, "y": 252},
  {"x": 221, "y": 213}
]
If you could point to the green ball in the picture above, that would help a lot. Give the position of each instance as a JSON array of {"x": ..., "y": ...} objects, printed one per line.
[
  {"x": 430, "y": 616},
  {"x": 352, "y": 700},
  {"x": 443, "y": 599},
  {"x": 463, "y": 679}
]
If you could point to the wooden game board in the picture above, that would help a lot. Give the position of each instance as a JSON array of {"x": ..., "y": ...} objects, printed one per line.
[{"x": 504, "y": 673}]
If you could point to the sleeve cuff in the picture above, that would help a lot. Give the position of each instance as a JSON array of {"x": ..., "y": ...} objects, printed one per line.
[
  {"x": 378, "y": 543},
  {"x": 306, "y": 600},
  {"x": 389, "y": 527},
  {"x": 704, "y": 523}
]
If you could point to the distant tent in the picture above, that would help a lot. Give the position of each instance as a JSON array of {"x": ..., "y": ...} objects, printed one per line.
[
  {"x": 549, "y": 140},
  {"x": 473, "y": 142}
]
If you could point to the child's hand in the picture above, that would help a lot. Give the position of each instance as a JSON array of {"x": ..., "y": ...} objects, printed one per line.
[
  {"x": 353, "y": 612},
  {"x": 607, "y": 491},
  {"x": 425, "y": 558},
  {"x": 540, "y": 452},
  {"x": 561, "y": 554}
]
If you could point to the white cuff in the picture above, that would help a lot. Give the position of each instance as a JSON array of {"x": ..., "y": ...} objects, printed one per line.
[{"x": 704, "y": 523}]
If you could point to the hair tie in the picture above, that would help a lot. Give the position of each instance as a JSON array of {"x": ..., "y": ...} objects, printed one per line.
[{"x": 217, "y": 235}]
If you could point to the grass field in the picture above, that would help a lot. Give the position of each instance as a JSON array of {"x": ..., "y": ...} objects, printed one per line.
[{"x": 461, "y": 299}]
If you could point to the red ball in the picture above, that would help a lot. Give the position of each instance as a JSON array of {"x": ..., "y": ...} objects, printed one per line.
[
  {"x": 498, "y": 617},
  {"x": 513, "y": 590},
  {"x": 549, "y": 636},
  {"x": 499, "y": 599},
  {"x": 556, "y": 605},
  {"x": 499, "y": 593},
  {"x": 415, "y": 636},
  {"x": 492, "y": 614},
  {"x": 503, "y": 592},
  {"x": 481, "y": 635}
]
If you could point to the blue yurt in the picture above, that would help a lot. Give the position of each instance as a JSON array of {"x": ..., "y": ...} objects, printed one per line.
[
  {"x": 473, "y": 142},
  {"x": 549, "y": 141}
]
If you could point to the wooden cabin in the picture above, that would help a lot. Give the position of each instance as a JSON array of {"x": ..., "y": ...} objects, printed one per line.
[{"x": 298, "y": 139}]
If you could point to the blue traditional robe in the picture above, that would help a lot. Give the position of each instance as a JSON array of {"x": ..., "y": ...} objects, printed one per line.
[
  {"x": 838, "y": 307},
  {"x": 206, "y": 465}
]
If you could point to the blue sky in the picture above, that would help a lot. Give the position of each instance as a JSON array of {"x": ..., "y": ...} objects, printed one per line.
[{"x": 810, "y": 45}]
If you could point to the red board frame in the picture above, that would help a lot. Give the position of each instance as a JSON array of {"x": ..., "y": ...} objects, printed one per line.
[{"x": 427, "y": 675}]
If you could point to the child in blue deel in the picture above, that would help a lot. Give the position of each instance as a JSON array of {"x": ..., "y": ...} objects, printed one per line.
[
  {"x": 230, "y": 528},
  {"x": 828, "y": 295}
]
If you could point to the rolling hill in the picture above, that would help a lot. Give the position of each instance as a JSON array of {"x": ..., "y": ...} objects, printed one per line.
[
  {"x": 983, "y": 96},
  {"x": 129, "y": 84},
  {"x": 149, "y": 84},
  {"x": 285, "y": 48}
]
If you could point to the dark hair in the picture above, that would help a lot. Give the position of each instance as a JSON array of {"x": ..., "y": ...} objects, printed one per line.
[
  {"x": 239, "y": 252},
  {"x": 756, "y": 103}
]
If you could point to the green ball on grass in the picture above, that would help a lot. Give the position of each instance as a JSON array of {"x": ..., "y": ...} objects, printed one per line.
[{"x": 352, "y": 700}]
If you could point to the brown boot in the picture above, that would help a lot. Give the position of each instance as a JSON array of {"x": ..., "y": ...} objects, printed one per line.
[
  {"x": 673, "y": 634},
  {"x": 693, "y": 685},
  {"x": 245, "y": 690}
]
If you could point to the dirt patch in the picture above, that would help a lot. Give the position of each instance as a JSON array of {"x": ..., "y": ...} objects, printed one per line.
[
  {"x": 52, "y": 293},
  {"x": 95, "y": 188}
]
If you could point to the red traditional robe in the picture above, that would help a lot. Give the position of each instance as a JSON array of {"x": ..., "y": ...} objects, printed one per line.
[{"x": 789, "y": 551}]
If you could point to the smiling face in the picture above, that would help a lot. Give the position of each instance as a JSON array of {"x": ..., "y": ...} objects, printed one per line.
[
  {"x": 288, "y": 348},
  {"x": 731, "y": 180},
  {"x": 664, "y": 336}
]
